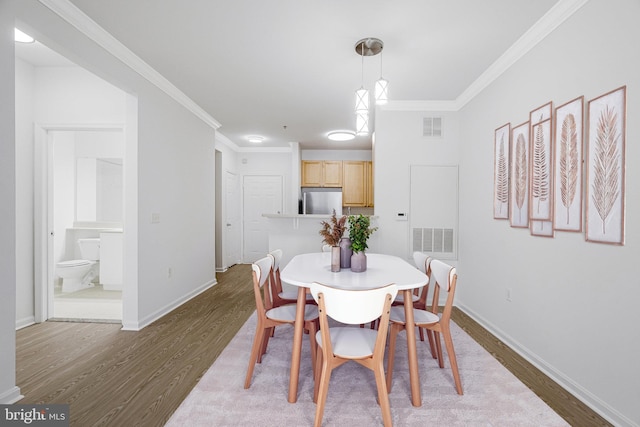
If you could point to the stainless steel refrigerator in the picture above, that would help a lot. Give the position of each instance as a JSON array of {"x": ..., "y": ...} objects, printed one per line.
[{"x": 322, "y": 202}]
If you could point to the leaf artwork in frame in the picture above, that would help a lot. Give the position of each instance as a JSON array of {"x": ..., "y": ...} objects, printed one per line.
[
  {"x": 541, "y": 228},
  {"x": 519, "y": 198},
  {"x": 501, "y": 172},
  {"x": 541, "y": 114},
  {"x": 568, "y": 165},
  {"x": 541, "y": 197},
  {"x": 605, "y": 196}
]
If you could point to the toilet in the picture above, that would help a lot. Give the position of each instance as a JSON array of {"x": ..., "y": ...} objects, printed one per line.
[{"x": 77, "y": 274}]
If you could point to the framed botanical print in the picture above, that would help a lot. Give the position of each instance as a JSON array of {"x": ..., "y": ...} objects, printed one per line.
[
  {"x": 605, "y": 153},
  {"x": 541, "y": 228},
  {"x": 501, "y": 172},
  {"x": 541, "y": 191},
  {"x": 519, "y": 163},
  {"x": 540, "y": 114},
  {"x": 567, "y": 179}
]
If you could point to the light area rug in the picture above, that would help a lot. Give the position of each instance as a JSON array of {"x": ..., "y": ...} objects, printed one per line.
[{"x": 492, "y": 395}]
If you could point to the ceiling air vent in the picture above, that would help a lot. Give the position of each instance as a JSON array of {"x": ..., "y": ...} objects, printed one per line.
[{"x": 432, "y": 126}]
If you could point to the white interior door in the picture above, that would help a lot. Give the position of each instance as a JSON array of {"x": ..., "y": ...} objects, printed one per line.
[
  {"x": 261, "y": 195},
  {"x": 232, "y": 220}
]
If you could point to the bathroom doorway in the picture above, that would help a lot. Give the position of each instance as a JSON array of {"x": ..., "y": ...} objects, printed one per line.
[{"x": 85, "y": 205}]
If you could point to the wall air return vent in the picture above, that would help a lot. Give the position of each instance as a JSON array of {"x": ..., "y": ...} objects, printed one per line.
[
  {"x": 432, "y": 127},
  {"x": 438, "y": 240}
]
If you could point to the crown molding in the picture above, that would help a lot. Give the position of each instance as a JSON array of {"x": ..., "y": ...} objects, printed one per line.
[
  {"x": 222, "y": 139},
  {"x": 559, "y": 13},
  {"x": 551, "y": 20},
  {"x": 78, "y": 19},
  {"x": 419, "y": 106}
]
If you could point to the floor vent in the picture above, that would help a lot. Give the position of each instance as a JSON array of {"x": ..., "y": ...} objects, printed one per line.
[
  {"x": 432, "y": 126},
  {"x": 438, "y": 240}
]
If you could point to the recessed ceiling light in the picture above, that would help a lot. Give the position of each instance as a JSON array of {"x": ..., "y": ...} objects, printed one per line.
[
  {"x": 22, "y": 37},
  {"x": 255, "y": 138},
  {"x": 341, "y": 135}
]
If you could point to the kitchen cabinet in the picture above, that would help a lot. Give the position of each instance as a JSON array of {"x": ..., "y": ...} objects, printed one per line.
[
  {"x": 357, "y": 190},
  {"x": 369, "y": 183},
  {"x": 321, "y": 173}
]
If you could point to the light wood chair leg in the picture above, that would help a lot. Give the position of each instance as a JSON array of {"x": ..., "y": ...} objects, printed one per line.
[
  {"x": 265, "y": 342},
  {"x": 325, "y": 375},
  {"x": 436, "y": 338},
  {"x": 383, "y": 395},
  {"x": 432, "y": 344},
  {"x": 256, "y": 348},
  {"x": 318, "y": 370},
  {"x": 312, "y": 341},
  {"x": 448, "y": 342},
  {"x": 393, "y": 334}
]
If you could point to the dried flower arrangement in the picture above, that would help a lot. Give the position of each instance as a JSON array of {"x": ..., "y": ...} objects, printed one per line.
[{"x": 332, "y": 232}]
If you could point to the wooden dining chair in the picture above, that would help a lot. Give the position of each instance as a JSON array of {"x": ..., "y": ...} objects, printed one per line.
[
  {"x": 445, "y": 280},
  {"x": 340, "y": 344},
  {"x": 268, "y": 319},
  {"x": 420, "y": 295},
  {"x": 280, "y": 296}
]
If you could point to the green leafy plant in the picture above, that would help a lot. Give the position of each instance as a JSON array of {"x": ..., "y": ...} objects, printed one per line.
[
  {"x": 332, "y": 232},
  {"x": 359, "y": 232}
]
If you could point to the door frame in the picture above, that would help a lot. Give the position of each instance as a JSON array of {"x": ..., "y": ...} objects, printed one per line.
[{"x": 44, "y": 268}]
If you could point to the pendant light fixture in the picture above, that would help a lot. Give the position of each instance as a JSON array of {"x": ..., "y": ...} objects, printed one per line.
[
  {"x": 382, "y": 87},
  {"x": 362, "y": 123},
  {"x": 369, "y": 46},
  {"x": 362, "y": 95}
]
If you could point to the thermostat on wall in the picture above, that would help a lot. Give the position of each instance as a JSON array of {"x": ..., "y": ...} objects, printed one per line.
[{"x": 401, "y": 216}]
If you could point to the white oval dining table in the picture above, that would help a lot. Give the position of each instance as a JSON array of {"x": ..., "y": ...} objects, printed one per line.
[{"x": 382, "y": 270}]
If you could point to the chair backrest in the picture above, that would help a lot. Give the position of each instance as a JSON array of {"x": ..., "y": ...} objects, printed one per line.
[
  {"x": 420, "y": 259},
  {"x": 277, "y": 256},
  {"x": 326, "y": 248},
  {"x": 423, "y": 263},
  {"x": 275, "y": 285},
  {"x": 261, "y": 269},
  {"x": 445, "y": 279},
  {"x": 353, "y": 307}
]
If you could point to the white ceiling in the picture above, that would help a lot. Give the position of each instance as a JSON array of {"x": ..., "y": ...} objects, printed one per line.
[{"x": 288, "y": 70}]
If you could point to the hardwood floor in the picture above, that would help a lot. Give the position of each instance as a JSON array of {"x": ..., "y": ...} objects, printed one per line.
[{"x": 112, "y": 377}]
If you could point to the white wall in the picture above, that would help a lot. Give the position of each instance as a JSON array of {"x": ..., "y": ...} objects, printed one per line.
[
  {"x": 399, "y": 144},
  {"x": 574, "y": 309},
  {"x": 9, "y": 392},
  {"x": 24, "y": 82}
]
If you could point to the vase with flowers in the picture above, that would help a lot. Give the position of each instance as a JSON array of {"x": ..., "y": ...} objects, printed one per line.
[
  {"x": 359, "y": 231},
  {"x": 331, "y": 233}
]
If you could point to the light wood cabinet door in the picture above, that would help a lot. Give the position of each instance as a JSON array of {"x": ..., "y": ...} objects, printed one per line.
[
  {"x": 369, "y": 183},
  {"x": 354, "y": 188},
  {"x": 312, "y": 173},
  {"x": 319, "y": 173},
  {"x": 333, "y": 173}
]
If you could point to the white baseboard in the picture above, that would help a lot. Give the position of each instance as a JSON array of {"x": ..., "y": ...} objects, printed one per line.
[
  {"x": 25, "y": 321},
  {"x": 579, "y": 392},
  {"x": 10, "y": 396},
  {"x": 136, "y": 326}
]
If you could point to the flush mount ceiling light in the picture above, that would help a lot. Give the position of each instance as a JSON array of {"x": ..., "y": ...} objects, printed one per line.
[
  {"x": 255, "y": 138},
  {"x": 21, "y": 37},
  {"x": 341, "y": 135}
]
